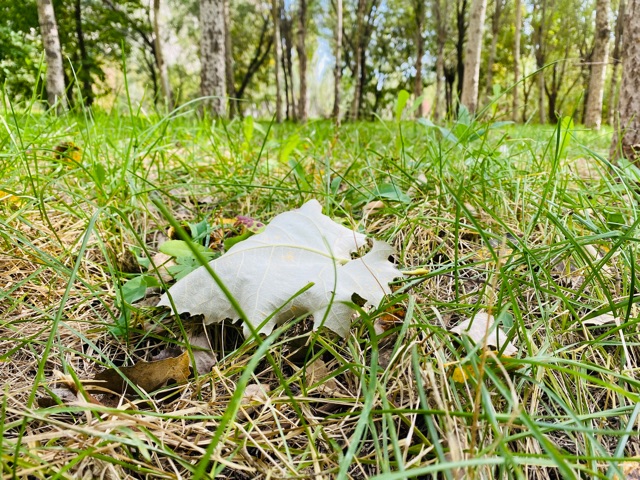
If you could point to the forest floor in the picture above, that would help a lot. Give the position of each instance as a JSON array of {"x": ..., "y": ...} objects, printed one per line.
[{"x": 529, "y": 227}]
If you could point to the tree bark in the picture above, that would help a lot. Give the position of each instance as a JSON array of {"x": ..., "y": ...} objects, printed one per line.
[
  {"x": 53, "y": 55},
  {"x": 471, "y": 81},
  {"x": 213, "y": 75},
  {"x": 516, "y": 62},
  {"x": 496, "y": 20},
  {"x": 626, "y": 138},
  {"x": 616, "y": 62},
  {"x": 419, "y": 16},
  {"x": 355, "y": 105},
  {"x": 441, "y": 15},
  {"x": 540, "y": 54},
  {"x": 337, "y": 75},
  {"x": 301, "y": 47},
  {"x": 228, "y": 61},
  {"x": 461, "y": 13},
  {"x": 599, "y": 59},
  {"x": 84, "y": 75},
  {"x": 278, "y": 59},
  {"x": 162, "y": 66}
]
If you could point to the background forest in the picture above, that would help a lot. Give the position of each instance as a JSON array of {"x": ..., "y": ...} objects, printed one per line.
[{"x": 383, "y": 46}]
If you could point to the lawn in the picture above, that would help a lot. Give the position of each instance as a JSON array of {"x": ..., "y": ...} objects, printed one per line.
[{"x": 529, "y": 224}]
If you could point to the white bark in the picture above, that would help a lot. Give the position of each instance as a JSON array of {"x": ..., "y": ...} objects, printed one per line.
[
  {"x": 212, "y": 56},
  {"x": 516, "y": 61},
  {"x": 338, "y": 66},
  {"x": 470, "y": 85},
  {"x": 278, "y": 50},
  {"x": 626, "y": 139},
  {"x": 593, "y": 115},
  {"x": 162, "y": 65},
  {"x": 53, "y": 55}
]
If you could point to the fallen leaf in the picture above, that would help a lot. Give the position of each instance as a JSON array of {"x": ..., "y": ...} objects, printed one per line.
[
  {"x": 69, "y": 152},
  {"x": 481, "y": 329},
  {"x": 8, "y": 197},
  {"x": 253, "y": 393},
  {"x": 205, "y": 359},
  {"x": 265, "y": 271},
  {"x": 161, "y": 263},
  {"x": 149, "y": 376},
  {"x": 630, "y": 470},
  {"x": 317, "y": 372},
  {"x": 417, "y": 271},
  {"x": 372, "y": 208},
  {"x": 604, "y": 319},
  {"x": 65, "y": 391}
]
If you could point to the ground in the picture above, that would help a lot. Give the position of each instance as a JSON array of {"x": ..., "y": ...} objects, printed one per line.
[{"x": 531, "y": 225}]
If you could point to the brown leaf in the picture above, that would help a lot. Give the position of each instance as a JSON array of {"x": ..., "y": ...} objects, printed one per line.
[
  {"x": 66, "y": 391},
  {"x": 316, "y": 372},
  {"x": 149, "y": 376},
  {"x": 201, "y": 348}
]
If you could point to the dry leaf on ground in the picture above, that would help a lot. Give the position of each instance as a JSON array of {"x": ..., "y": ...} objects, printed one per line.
[
  {"x": 201, "y": 347},
  {"x": 263, "y": 273},
  {"x": 604, "y": 319},
  {"x": 481, "y": 329},
  {"x": 316, "y": 372},
  {"x": 149, "y": 376}
]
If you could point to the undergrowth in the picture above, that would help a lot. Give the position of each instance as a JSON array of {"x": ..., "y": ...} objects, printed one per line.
[{"x": 531, "y": 224}]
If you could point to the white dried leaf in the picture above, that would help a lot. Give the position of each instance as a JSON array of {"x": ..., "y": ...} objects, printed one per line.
[
  {"x": 297, "y": 248},
  {"x": 604, "y": 319},
  {"x": 481, "y": 330}
]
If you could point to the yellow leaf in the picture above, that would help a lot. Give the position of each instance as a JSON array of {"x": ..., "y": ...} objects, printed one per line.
[{"x": 68, "y": 152}]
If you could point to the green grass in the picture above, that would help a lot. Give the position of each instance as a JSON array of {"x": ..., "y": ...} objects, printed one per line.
[{"x": 530, "y": 223}]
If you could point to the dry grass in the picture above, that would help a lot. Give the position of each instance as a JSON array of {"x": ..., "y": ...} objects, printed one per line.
[{"x": 370, "y": 405}]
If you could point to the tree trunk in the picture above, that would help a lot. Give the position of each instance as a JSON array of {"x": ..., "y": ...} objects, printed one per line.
[
  {"x": 278, "y": 53},
  {"x": 303, "y": 103},
  {"x": 441, "y": 15},
  {"x": 461, "y": 13},
  {"x": 616, "y": 62},
  {"x": 53, "y": 54},
  {"x": 599, "y": 59},
  {"x": 516, "y": 61},
  {"x": 286, "y": 33},
  {"x": 228, "y": 61},
  {"x": 355, "y": 105},
  {"x": 626, "y": 139},
  {"x": 213, "y": 75},
  {"x": 84, "y": 75},
  {"x": 471, "y": 82},
  {"x": 495, "y": 30},
  {"x": 337, "y": 75},
  {"x": 540, "y": 54},
  {"x": 419, "y": 14},
  {"x": 162, "y": 66}
]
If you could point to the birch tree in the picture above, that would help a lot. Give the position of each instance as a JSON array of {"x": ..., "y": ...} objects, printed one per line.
[
  {"x": 516, "y": 61},
  {"x": 337, "y": 76},
  {"x": 275, "y": 6},
  {"x": 441, "y": 15},
  {"x": 301, "y": 47},
  {"x": 419, "y": 17},
  {"x": 212, "y": 56},
  {"x": 496, "y": 21},
  {"x": 616, "y": 62},
  {"x": 599, "y": 59},
  {"x": 626, "y": 139},
  {"x": 471, "y": 80},
  {"x": 53, "y": 56},
  {"x": 165, "y": 86}
]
